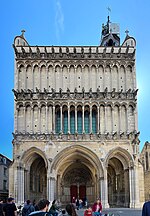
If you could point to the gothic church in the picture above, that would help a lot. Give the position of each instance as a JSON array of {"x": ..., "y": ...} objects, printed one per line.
[{"x": 75, "y": 122}]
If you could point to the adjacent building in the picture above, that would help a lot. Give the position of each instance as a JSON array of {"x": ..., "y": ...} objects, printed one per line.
[
  {"x": 145, "y": 158},
  {"x": 4, "y": 176},
  {"x": 75, "y": 128}
]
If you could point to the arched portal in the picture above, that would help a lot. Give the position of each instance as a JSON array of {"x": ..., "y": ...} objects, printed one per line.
[
  {"x": 35, "y": 174},
  {"x": 77, "y": 181},
  {"x": 38, "y": 179},
  {"x": 118, "y": 178},
  {"x": 78, "y": 172}
]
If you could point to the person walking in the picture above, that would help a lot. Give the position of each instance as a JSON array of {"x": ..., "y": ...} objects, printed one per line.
[
  {"x": 146, "y": 209},
  {"x": 9, "y": 209},
  {"x": 28, "y": 208},
  {"x": 70, "y": 209},
  {"x": 97, "y": 208},
  {"x": 43, "y": 208},
  {"x": 1, "y": 207}
]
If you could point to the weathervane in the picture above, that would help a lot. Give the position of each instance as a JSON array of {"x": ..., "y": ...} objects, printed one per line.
[{"x": 109, "y": 10}]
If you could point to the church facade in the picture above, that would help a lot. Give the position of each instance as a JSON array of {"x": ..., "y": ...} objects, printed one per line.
[{"x": 75, "y": 122}]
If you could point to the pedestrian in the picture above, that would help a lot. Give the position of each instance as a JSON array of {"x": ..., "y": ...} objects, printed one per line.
[
  {"x": 1, "y": 207},
  {"x": 88, "y": 211},
  {"x": 146, "y": 209},
  {"x": 71, "y": 210},
  {"x": 43, "y": 208},
  {"x": 28, "y": 208},
  {"x": 97, "y": 207},
  {"x": 54, "y": 209},
  {"x": 9, "y": 209},
  {"x": 77, "y": 203}
]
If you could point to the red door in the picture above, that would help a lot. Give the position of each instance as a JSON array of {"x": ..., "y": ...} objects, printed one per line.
[
  {"x": 82, "y": 192},
  {"x": 73, "y": 192}
]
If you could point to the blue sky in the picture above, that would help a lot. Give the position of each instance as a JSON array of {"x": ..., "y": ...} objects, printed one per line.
[{"x": 64, "y": 22}]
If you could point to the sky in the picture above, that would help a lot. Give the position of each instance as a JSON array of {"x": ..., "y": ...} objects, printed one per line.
[{"x": 68, "y": 22}]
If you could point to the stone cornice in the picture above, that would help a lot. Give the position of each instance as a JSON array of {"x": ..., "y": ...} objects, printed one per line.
[
  {"x": 129, "y": 136},
  {"x": 74, "y": 52},
  {"x": 50, "y": 95}
]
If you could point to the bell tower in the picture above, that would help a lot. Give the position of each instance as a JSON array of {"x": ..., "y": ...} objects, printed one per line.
[{"x": 110, "y": 35}]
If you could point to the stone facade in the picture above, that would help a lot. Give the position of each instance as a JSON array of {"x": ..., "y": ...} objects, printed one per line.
[
  {"x": 75, "y": 129},
  {"x": 145, "y": 158},
  {"x": 4, "y": 176}
]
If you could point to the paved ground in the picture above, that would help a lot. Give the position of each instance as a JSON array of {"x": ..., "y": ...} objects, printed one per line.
[{"x": 117, "y": 212}]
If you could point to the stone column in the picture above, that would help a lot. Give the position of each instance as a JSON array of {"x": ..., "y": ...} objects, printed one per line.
[
  {"x": 98, "y": 120},
  {"x": 112, "y": 110},
  {"x": 20, "y": 185},
  {"x": 39, "y": 120},
  {"x": 53, "y": 126},
  {"x": 47, "y": 82},
  {"x": 126, "y": 182},
  {"x": 68, "y": 119},
  {"x": 135, "y": 120},
  {"x": 32, "y": 119},
  {"x": 90, "y": 119},
  {"x": 83, "y": 131},
  {"x": 39, "y": 71},
  {"x": 105, "y": 188},
  {"x": 136, "y": 185},
  {"x": 127, "y": 123},
  {"x": 131, "y": 183},
  {"x": 16, "y": 128},
  {"x": 24, "y": 119},
  {"x": 120, "y": 127},
  {"x": 46, "y": 119},
  {"x": 105, "y": 120},
  {"x": 102, "y": 194},
  {"x": 51, "y": 189},
  {"x": 76, "y": 129},
  {"x": 32, "y": 78},
  {"x": 61, "y": 119}
]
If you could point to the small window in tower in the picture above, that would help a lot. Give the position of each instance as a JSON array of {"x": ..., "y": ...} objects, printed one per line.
[
  {"x": 120, "y": 77},
  {"x": 35, "y": 125},
  {"x": 79, "y": 86},
  {"x": 131, "y": 43},
  {"x": 18, "y": 41},
  {"x": 78, "y": 77},
  {"x": 101, "y": 78},
  {"x": 27, "y": 77},
  {"x": 110, "y": 42},
  {"x": 65, "y": 77}
]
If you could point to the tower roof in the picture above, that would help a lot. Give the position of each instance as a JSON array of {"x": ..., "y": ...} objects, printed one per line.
[{"x": 110, "y": 35}]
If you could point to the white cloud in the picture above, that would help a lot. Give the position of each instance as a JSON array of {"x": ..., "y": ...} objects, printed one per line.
[{"x": 59, "y": 21}]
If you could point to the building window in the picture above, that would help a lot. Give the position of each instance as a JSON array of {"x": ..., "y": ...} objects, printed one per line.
[
  {"x": 94, "y": 124},
  {"x": 146, "y": 160},
  {"x": 58, "y": 121},
  {"x": 72, "y": 122},
  {"x": 5, "y": 171},
  {"x": 5, "y": 185},
  {"x": 79, "y": 122},
  {"x": 86, "y": 121},
  {"x": 65, "y": 122},
  {"x": 4, "y": 160}
]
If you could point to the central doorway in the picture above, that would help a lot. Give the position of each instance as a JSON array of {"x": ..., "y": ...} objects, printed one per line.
[
  {"x": 77, "y": 191},
  {"x": 77, "y": 182}
]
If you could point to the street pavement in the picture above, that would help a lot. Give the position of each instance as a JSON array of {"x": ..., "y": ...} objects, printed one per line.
[{"x": 116, "y": 212}]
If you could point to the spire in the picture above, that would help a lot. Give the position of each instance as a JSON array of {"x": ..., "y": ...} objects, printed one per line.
[
  {"x": 110, "y": 35},
  {"x": 23, "y": 31}
]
